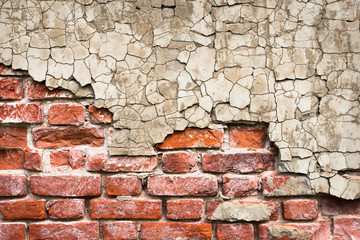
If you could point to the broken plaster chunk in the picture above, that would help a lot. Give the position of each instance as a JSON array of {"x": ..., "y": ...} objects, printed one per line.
[
  {"x": 347, "y": 187},
  {"x": 201, "y": 63}
]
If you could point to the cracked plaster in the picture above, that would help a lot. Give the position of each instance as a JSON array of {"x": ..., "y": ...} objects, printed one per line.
[{"x": 162, "y": 66}]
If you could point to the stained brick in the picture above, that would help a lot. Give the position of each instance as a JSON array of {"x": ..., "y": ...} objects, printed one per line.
[
  {"x": 155, "y": 231},
  {"x": 13, "y": 137},
  {"x": 184, "y": 209},
  {"x": 335, "y": 206},
  {"x": 11, "y": 88},
  {"x": 238, "y": 162},
  {"x": 235, "y": 232},
  {"x": 347, "y": 228},
  {"x": 247, "y": 137},
  {"x": 71, "y": 230},
  {"x": 179, "y": 162},
  {"x": 100, "y": 115},
  {"x": 301, "y": 209},
  {"x": 11, "y": 159},
  {"x": 53, "y": 137},
  {"x": 65, "y": 185},
  {"x": 66, "y": 208},
  {"x": 120, "y": 231},
  {"x": 13, "y": 185},
  {"x": 116, "y": 185},
  {"x": 239, "y": 186},
  {"x": 193, "y": 138},
  {"x": 23, "y": 209},
  {"x": 289, "y": 231},
  {"x": 67, "y": 114},
  {"x": 38, "y": 91},
  {"x": 12, "y": 231},
  {"x": 135, "y": 209},
  {"x": 286, "y": 186},
  {"x": 21, "y": 113},
  {"x": 199, "y": 185}
]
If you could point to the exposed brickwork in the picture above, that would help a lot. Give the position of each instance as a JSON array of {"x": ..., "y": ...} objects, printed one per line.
[{"x": 59, "y": 182}]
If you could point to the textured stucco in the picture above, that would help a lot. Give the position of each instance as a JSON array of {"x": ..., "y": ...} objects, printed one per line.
[{"x": 162, "y": 66}]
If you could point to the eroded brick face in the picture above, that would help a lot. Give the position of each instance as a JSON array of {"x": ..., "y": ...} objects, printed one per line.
[{"x": 58, "y": 181}]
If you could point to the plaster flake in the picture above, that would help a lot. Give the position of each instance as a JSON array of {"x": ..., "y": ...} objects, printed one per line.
[{"x": 179, "y": 64}]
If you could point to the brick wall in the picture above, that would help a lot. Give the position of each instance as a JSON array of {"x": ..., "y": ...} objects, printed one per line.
[{"x": 58, "y": 182}]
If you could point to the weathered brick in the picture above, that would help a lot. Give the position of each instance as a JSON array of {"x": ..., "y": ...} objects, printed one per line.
[
  {"x": 70, "y": 230},
  {"x": 239, "y": 186},
  {"x": 335, "y": 206},
  {"x": 291, "y": 231},
  {"x": 347, "y": 228},
  {"x": 66, "y": 185},
  {"x": 100, "y": 115},
  {"x": 53, "y": 137},
  {"x": 67, "y": 114},
  {"x": 13, "y": 137},
  {"x": 286, "y": 186},
  {"x": 12, "y": 231},
  {"x": 184, "y": 209},
  {"x": 11, "y": 159},
  {"x": 247, "y": 137},
  {"x": 33, "y": 161},
  {"x": 238, "y": 162},
  {"x": 117, "y": 185},
  {"x": 21, "y": 113},
  {"x": 135, "y": 209},
  {"x": 235, "y": 232},
  {"x": 13, "y": 185},
  {"x": 193, "y": 138},
  {"x": 102, "y": 162},
  {"x": 184, "y": 185},
  {"x": 11, "y": 88},
  {"x": 73, "y": 158},
  {"x": 301, "y": 209},
  {"x": 23, "y": 209},
  {"x": 38, "y": 91},
  {"x": 179, "y": 162},
  {"x": 5, "y": 70},
  {"x": 170, "y": 230},
  {"x": 242, "y": 210},
  {"x": 66, "y": 208},
  {"x": 120, "y": 231}
]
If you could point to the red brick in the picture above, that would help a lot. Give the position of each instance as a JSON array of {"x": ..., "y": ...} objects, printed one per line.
[
  {"x": 116, "y": 185},
  {"x": 239, "y": 186},
  {"x": 193, "y": 138},
  {"x": 247, "y": 137},
  {"x": 184, "y": 209},
  {"x": 23, "y": 209},
  {"x": 301, "y": 209},
  {"x": 66, "y": 186},
  {"x": 67, "y": 114},
  {"x": 11, "y": 159},
  {"x": 71, "y": 230},
  {"x": 236, "y": 210},
  {"x": 286, "y": 186},
  {"x": 11, "y": 88},
  {"x": 12, "y": 231},
  {"x": 235, "y": 232},
  {"x": 347, "y": 228},
  {"x": 66, "y": 208},
  {"x": 205, "y": 185},
  {"x": 292, "y": 231},
  {"x": 13, "y": 137},
  {"x": 54, "y": 137},
  {"x": 238, "y": 162},
  {"x": 38, "y": 91},
  {"x": 120, "y": 231},
  {"x": 5, "y": 70},
  {"x": 72, "y": 158},
  {"x": 170, "y": 230},
  {"x": 135, "y": 209},
  {"x": 335, "y": 206},
  {"x": 33, "y": 161},
  {"x": 102, "y": 162},
  {"x": 100, "y": 115},
  {"x": 179, "y": 162},
  {"x": 13, "y": 185},
  {"x": 21, "y": 113}
]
